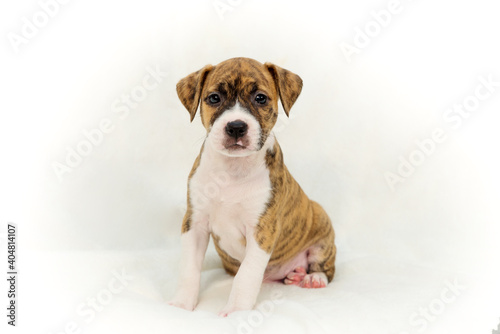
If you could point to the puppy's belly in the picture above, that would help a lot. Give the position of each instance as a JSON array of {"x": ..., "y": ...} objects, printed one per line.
[{"x": 277, "y": 273}]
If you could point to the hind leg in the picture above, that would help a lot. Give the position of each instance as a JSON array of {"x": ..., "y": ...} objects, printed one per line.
[{"x": 320, "y": 256}]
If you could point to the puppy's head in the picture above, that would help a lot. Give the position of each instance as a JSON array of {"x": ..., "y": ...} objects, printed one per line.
[{"x": 239, "y": 102}]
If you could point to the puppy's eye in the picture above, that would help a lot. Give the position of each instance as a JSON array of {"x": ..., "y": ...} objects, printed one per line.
[
  {"x": 261, "y": 99},
  {"x": 213, "y": 98}
]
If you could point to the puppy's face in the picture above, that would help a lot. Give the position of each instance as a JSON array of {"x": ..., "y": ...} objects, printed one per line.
[{"x": 239, "y": 102}]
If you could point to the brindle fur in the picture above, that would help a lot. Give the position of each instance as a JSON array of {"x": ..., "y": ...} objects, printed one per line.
[{"x": 291, "y": 223}]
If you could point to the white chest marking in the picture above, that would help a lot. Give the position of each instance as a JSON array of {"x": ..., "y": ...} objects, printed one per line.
[{"x": 229, "y": 194}]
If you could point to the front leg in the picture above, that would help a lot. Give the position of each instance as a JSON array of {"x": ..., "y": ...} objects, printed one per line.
[
  {"x": 248, "y": 279},
  {"x": 194, "y": 242}
]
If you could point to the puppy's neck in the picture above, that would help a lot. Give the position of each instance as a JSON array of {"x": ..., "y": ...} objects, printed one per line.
[{"x": 238, "y": 167}]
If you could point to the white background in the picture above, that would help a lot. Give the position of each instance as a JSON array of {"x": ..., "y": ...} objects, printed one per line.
[{"x": 121, "y": 207}]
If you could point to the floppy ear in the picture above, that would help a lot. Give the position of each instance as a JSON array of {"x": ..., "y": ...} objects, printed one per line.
[
  {"x": 288, "y": 84},
  {"x": 189, "y": 89}
]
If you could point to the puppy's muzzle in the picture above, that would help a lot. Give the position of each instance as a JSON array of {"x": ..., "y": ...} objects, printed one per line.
[{"x": 236, "y": 129}]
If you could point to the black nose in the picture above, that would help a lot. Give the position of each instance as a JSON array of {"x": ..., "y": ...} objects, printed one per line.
[{"x": 236, "y": 129}]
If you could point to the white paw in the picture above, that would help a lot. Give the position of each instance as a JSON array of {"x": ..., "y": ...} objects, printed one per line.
[
  {"x": 228, "y": 309},
  {"x": 182, "y": 302},
  {"x": 315, "y": 281},
  {"x": 224, "y": 313}
]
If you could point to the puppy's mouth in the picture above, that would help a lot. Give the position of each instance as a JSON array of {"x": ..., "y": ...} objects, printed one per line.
[{"x": 235, "y": 145}]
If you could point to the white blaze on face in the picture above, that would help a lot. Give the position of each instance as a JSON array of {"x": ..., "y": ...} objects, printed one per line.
[{"x": 219, "y": 139}]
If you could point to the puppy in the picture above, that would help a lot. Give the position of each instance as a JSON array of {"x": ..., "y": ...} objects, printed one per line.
[{"x": 239, "y": 190}]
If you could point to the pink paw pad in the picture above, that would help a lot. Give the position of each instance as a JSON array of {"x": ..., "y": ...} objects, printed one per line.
[
  {"x": 301, "y": 278},
  {"x": 296, "y": 276}
]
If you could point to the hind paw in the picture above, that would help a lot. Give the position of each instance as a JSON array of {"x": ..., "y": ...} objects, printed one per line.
[{"x": 301, "y": 278}]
